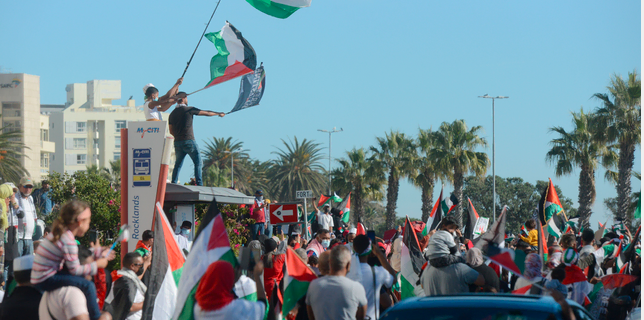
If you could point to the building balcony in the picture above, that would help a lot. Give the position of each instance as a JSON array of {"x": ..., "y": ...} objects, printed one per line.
[{"x": 47, "y": 146}]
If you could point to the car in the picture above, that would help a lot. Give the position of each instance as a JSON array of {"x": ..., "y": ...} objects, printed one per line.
[{"x": 482, "y": 306}]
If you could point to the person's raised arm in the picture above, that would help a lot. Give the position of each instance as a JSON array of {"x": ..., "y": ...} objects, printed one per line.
[
  {"x": 383, "y": 261},
  {"x": 257, "y": 275},
  {"x": 210, "y": 113},
  {"x": 173, "y": 91}
]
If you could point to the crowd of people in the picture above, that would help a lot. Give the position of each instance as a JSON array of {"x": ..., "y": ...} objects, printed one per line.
[{"x": 358, "y": 274}]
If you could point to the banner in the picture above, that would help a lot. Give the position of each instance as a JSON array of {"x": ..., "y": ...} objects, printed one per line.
[
  {"x": 481, "y": 225},
  {"x": 145, "y": 150}
]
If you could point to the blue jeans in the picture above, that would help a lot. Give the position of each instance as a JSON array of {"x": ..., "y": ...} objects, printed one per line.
[
  {"x": 268, "y": 231},
  {"x": 257, "y": 228},
  {"x": 60, "y": 280},
  {"x": 25, "y": 247},
  {"x": 181, "y": 149}
]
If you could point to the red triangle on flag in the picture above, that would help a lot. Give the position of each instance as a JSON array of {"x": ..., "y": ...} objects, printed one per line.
[
  {"x": 522, "y": 290},
  {"x": 361, "y": 229},
  {"x": 574, "y": 274},
  {"x": 218, "y": 236},
  {"x": 505, "y": 260},
  {"x": 296, "y": 268}
]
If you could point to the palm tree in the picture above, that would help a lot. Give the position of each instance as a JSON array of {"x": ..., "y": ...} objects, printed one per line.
[
  {"x": 11, "y": 146},
  {"x": 394, "y": 153},
  {"x": 218, "y": 152},
  {"x": 256, "y": 177},
  {"x": 297, "y": 167},
  {"x": 580, "y": 147},
  {"x": 363, "y": 180},
  {"x": 113, "y": 173},
  {"x": 426, "y": 173},
  {"x": 455, "y": 150},
  {"x": 620, "y": 120}
]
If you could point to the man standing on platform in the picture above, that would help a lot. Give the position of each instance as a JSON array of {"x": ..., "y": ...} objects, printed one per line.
[
  {"x": 180, "y": 125},
  {"x": 257, "y": 212}
]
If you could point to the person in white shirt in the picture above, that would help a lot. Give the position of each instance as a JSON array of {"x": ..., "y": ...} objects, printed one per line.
[
  {"x": 26, "y": 214},
  {"x": 182, "y": 236},
  {"x": 128, "y": 292},
  {"x": 384, "y": 275},
  {"x": 154, "y": 104},
  {"x": 325, "y": 219}
]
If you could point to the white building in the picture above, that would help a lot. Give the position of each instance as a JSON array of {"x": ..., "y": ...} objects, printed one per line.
[
  {"x": 20, "y": 100},
  {"x": 88, "y": 130}
]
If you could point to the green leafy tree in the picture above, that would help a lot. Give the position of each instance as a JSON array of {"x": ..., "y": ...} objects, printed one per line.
[
  {"x": 11, "y": 170},
  {"x": 426, "y": 172},
  {"x": 455, "y": 151},
  {"x": 620, "y": 120},
  {"x": 358, "y": 176},
  {"x": 395, "y": 154},
  {"x": 580, "y": 148},
  {"x": 297, "y": 167},
  {"x": 218, "y": 153},
  {"x": 213, "y": 176},
  {"x": 236, "y": 221}
]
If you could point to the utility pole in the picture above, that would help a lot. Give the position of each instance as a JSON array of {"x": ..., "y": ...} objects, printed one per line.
[{"x": 330, "y": 132}]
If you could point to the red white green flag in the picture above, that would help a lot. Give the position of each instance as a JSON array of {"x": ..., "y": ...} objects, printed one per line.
[
  {"x": 297, "y": 278},
  {"x": 279, "y": 8},
  {"x": 235, "y": 57},
  {"x": 549, "y": 204}
]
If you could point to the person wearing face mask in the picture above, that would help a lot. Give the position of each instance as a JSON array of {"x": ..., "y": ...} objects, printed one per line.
[
  {"x": 321, "y": 242},
  {"x": 154, "y": 104},
  {"x": 182, "y": 236},
  {"x": 128, "y": 291}
]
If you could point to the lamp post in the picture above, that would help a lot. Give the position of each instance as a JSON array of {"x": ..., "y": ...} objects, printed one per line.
[
  {"x": 493, "y": 151},
  {"x": 330, "y": 132},
  {"x": 232, "y": 170}
]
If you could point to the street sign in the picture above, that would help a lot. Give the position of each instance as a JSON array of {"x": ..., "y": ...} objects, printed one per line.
[
  {"x": 304, "y": 194},
  {"x": 281, "y": 213}
]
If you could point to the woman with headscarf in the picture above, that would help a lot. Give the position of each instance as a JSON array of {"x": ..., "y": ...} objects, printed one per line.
[
  {"x": 532, "y": 274},
  {"x": 215, "y": 298},
  {"x": 475, "y": 261},
  {"x": 274, "y": 263}
]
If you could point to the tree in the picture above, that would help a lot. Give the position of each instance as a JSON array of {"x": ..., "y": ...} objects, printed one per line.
[
  {"x": 358, "y": 176},
  {"x": 213, "y": 176},
  {"x": 218, "y": 152},
  {"x": 580, "y": 148},
  {"x": 11, "y": 146},
  {"x": 455, "y": 151},
  {"x": 113, "y": 173},
  {"x": 425, "y": 171},
  {"x": 620, "y": 121},
  {"x": 297, "y": 167},
  {"x": 611, "y": 203},
  {"x": 394, "y": 153}
]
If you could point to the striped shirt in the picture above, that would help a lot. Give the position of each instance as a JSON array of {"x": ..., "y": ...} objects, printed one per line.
[{"x": 50, "y": 257}]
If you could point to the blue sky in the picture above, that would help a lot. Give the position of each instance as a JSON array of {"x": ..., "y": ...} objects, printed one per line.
[{"x": 366, "y": 66}]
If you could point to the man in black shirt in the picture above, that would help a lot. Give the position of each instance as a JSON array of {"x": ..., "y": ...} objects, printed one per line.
[{"x": 180, "y": 122}]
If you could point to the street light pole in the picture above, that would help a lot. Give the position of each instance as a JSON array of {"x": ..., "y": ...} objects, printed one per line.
[
  {"x": 330, "y": 132},
  {"x": 493, "y": 154},
  {"x": 232, "y": 168}
]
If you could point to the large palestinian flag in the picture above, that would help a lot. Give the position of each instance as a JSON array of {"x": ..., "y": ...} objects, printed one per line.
[
  {"x": 435, "y": 216},
  {"x": 235, "y": 57},
  {"x": 165, "y": 270},
  {"x": 211, "y": 244},
  {"x": 297, "y": 277},
  {"x": 473, "y": 217},
  {"x": 549, "y": 204},
  {"x": 411, "y": 263},
  {"x": 345, "y": 208},
  {"x": 279, "y": 8},
  {"x": 328, "y": 199}
]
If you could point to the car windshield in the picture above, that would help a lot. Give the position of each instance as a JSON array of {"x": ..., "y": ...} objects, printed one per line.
[{"x": 464, "y": 313}]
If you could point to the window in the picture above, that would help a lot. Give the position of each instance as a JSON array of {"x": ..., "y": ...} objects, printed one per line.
[
  {"x": 117, "y": 156},
  {"x": 80, "y": 143},
  {"x": 96, "y": 146},
  {"x": 120, "y": 124},
  {"x": 44, "y": 160},
  {"x": 81, "y": 159},
  {"x": 11, "y": 109},
  {"x": 44, "y": 135},
  {"x": 117, "y": 142},
  {"x": 81, "y": 127}
]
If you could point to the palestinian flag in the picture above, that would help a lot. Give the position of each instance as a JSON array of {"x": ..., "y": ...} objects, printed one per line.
[
  {"x": 638, "y": 210},
  {"x": 450, "y": 203},
  {"x": 235, "y": 57},
  {"x": 211, "y": 244},
  {"x": 524, "y": 231},
  {"x": 345, "y": 208},
  {"x": 626, "y": 258},
  {"x": 435, "y": 216},
  {"x": 503, "y": 257},
  {"x": 251, "y": 89},
  {"x": 245, "y": 288},
  {"x": 553, "y": 229},
  {"x": 328, "y": 199},
  {"x": 165, "y": 270},
  {"x": 297, "y": 277},
  {"x": 411, "y": 263},
  {"x": 549, "y": 203},
  {"x": 599, "y": 234},
  {"x": 279, "y": 8},
  {"x": 543, "y": 244},
  {"x": 361, "y": 229},
  {"x": 495, "y": 235},
  {"x": 473, "y": 218}
]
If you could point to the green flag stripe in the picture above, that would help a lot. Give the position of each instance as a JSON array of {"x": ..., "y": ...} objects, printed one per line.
[
  {"x": 189, "y": 307},
  {"x": 552, "y": 210},
  {"x": 406, "y": 289},
  {"x": 293, "y": 292},
  {"x": 345, "y": 217},
  {"x": 270, "y": 8},
  {"x": 219, "y": 62},
  {"x": 176, "y": 274}
]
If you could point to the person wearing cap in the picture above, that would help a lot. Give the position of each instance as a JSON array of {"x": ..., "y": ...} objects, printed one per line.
[
  {"x": 182, "y": 236},
  {"x": 180, "y": 126},
  {"x": 26, "y": 217},
  {"x": 351, "y": 235},
  {"x": 578, "y": 286},
  {"x": 257, "y": 212},
  {"x": 325, "y": 219},
  {"x": 154, "y": 105},
  {"x": 24, "y": 300}
]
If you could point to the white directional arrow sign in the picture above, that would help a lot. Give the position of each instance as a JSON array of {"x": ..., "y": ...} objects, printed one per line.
[{"x": 280, "y": 213}]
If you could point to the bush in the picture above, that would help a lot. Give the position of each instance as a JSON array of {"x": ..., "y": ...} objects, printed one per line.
[
  {"x": 236, "y": 221},
  {"x": 104, "y": 201}
]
